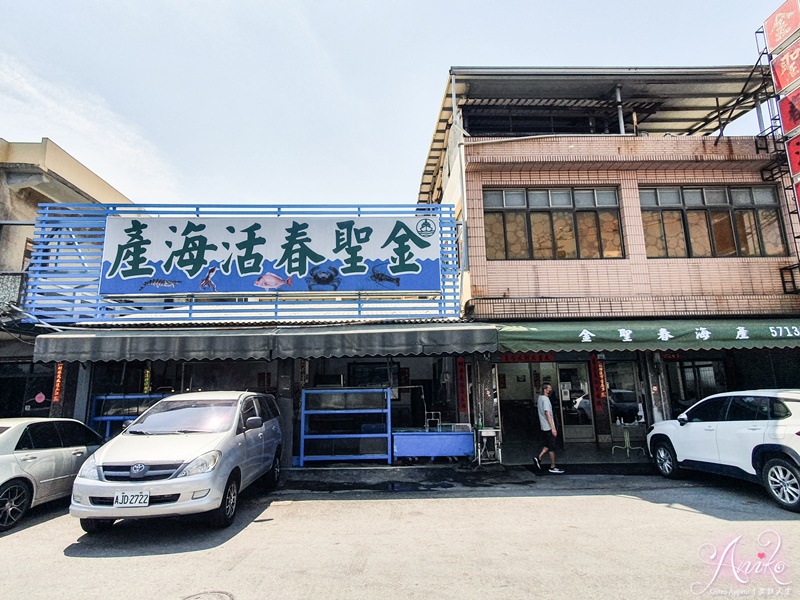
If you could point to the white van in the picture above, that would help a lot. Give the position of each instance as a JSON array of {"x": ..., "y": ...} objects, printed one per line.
[{"x": 187, "y": 454}]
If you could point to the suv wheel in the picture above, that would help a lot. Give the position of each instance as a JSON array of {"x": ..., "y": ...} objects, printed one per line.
[
  {"x": 666, "y": 462},
  {"x": 224, "y": 515},
  {"x": 782, "y": 480}
]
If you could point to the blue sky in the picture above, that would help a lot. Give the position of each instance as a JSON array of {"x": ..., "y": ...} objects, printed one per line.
[{"x": 257, "y": 101}]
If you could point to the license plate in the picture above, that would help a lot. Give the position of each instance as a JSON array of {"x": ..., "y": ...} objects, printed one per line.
[{"x": 130, "y": 499}]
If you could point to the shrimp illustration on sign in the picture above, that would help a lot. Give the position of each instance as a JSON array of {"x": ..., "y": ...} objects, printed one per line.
[
  {"x": 165, "y": 283},
  {"x": 381, "y": 277},
  {"x": 271, "y": 281},
  {"x": 206, "y": 281}
]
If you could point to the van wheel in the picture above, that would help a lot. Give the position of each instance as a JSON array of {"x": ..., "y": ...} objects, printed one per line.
[
  {"x": 272, "y": 476},
  {"x": 224, "y": 515},
  {"x": 666, "y": 462},
  {"x": 781, "y": 478},
  {"x": 96, "y": 525}
]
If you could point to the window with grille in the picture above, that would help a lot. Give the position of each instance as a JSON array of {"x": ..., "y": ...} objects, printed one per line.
[
  {"x": 552, "y": 224},
  {"x": 712, "y": 222}
]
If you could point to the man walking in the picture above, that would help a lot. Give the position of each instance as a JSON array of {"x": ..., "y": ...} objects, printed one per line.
[{"x": 545, "y": 411}]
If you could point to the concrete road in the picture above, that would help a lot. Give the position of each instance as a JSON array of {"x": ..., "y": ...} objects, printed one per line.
[{"x": 573, "y": 536}]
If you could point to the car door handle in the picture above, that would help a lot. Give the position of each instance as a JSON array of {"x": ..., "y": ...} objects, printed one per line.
[
  {"x": 28, "y": 458},
  {"x": 77, "y": 453},
  {"x": 755, "y": 428},
  {"x": 710, "y": 429}
]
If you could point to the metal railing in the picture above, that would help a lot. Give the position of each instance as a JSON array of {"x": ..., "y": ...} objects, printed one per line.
[{"x": 66, "y": 272}]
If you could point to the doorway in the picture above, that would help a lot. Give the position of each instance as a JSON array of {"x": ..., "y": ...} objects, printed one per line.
[
  {"x": 520, "y": 384},
  {"x": 575, "y": 402}
]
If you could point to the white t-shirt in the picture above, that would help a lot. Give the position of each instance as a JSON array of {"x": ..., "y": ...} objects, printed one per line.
[{"x": 544, "y": 405}]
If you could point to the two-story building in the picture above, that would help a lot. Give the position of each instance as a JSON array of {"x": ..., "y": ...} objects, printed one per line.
[
  {"x": 629, "y": 252},
  {"x": 32, "y": 174}
]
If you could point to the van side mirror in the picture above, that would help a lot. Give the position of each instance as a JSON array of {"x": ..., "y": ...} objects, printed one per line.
[
  {"x": 253, "y": 423},
  {"x": 682, "y": 420}
]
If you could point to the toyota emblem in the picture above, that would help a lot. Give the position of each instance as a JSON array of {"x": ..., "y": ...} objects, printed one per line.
[{"x": 137, "y": 469}]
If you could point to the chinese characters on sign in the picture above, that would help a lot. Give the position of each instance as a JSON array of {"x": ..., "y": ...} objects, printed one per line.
[
  {"x": 786, "y": 68},
  {"x": 793, "y": 151},
  {"x": 270, "y": 254},
  {"x": 780, "y": 26},
  {"x": 58, "y": 383},
  {"x": 790, "y": 112},
  {"x": 680, "y": 334}
]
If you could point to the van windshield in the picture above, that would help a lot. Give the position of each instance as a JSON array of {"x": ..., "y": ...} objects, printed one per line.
[{"x": 185, "y": 416}]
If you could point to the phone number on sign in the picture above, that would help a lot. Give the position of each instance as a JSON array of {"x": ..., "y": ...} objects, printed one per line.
[{"x": 785, "y": 331}]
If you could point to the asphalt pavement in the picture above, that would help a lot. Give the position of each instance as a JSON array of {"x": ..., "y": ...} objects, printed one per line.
[{"x": 421, "y": 532}]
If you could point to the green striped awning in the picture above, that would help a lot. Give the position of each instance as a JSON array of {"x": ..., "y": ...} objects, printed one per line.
[{"x": 656, "y": 334}]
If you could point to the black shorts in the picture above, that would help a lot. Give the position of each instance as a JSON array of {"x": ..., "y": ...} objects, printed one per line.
[{"x": 549, "y": 439}]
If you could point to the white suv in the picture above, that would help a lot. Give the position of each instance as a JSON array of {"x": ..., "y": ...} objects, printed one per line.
[
  {"x": 753, "y": 435},
  {"x": 187, "y": 454}
]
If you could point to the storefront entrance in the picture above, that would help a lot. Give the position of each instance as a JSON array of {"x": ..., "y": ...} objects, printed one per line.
[
  {"x": 520, "y": 384},
  {"x": 575, "y": 402}
]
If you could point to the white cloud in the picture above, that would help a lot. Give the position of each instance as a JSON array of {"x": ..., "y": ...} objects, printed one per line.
[{"x": 31, "y": 108}]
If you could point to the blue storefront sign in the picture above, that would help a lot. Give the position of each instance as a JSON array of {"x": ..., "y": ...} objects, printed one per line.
[{"x": 268, "y": 255}]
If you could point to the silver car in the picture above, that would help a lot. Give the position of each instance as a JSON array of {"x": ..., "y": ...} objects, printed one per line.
[
  {"x": 187, "y": 454},
  {"x": 39, "y": 460}
]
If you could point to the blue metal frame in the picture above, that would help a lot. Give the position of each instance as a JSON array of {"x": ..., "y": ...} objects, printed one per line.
[
  {"x": 305, "y": 413},
  {"x": 65, "y": 271},
  {"x": 97, "y": 421}
]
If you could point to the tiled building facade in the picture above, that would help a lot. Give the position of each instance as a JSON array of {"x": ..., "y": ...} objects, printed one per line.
[
  {"x": 631, "y": 285},
  {"x": 606, "y": 199}
]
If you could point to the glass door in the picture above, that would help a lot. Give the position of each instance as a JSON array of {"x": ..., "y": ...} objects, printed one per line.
[
  {"x": 625, "y": 400},
  {"x": 573, "y": 397}
]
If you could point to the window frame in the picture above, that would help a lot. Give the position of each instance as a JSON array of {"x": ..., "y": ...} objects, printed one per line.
[
  {"x": 704, "y": 404},
  {"x": 598, "y": 207},
  {"x": 709, "y": 209}
]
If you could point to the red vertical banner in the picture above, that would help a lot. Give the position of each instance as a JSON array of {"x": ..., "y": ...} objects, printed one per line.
[
  {"x": 58, "y": 383},
  {"x": 461, "y": 386},
  {"x": 793, "y": 153},
  {"x": 790, "y": 112},
  {"x": 797, "y": 195},
  {"x": 599, "y": 385},
  {"x": 786, "y": 68},
  {"x": 782, "y": 24}
]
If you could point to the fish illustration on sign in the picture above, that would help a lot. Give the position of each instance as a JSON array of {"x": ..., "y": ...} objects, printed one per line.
[
  {"x": 271, "y": 281},
  {"x": 165, "y": 283},
  {"x": 206, "y": 282}
]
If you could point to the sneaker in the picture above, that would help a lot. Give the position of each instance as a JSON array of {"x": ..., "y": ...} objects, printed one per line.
[
  {"x": 536, "y": 464},
  {"x": 555, "y": 470}
]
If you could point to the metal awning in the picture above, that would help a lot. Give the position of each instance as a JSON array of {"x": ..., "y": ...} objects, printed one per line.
[
  {"x": 266, "y": 343},
  {"x": 658, "y": 334},
  {"x": 668, "y": 100}
]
